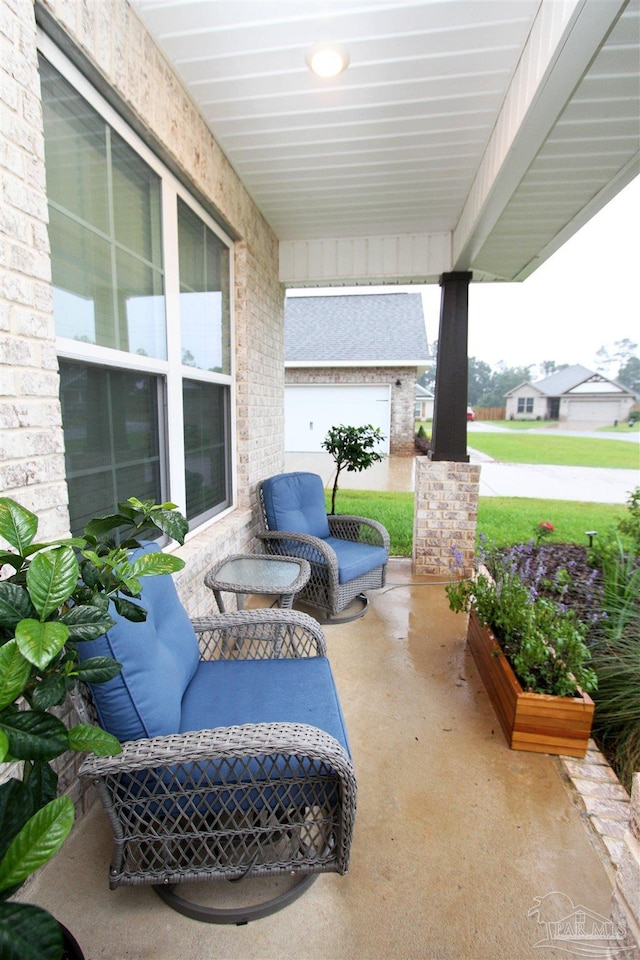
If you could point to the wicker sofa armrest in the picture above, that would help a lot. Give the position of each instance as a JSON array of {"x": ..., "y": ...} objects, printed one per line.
[
  {"x": 361, "y": 529},
  {"x": 259, "y": 635},
  {"x": 220, "y": 744},
  {"x": 215, "y": 803}
]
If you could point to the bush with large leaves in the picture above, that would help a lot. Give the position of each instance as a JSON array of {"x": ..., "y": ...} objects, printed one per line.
[{"x": 52, "y": 596}]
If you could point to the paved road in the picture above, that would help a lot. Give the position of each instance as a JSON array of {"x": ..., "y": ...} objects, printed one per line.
[{"x": 549, "y": 482}]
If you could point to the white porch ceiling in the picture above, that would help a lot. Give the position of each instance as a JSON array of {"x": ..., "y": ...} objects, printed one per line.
[{"x": 465, "y": 134}]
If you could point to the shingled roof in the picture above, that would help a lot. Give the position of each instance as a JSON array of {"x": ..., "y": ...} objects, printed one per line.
[
  {"x": 569, "y": 379},
  {"x": 385, "y": 329},
  {"x": 563, "y": 380}
]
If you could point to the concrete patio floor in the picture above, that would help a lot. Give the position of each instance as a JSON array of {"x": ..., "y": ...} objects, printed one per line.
[{"x": 455, "y": 837}]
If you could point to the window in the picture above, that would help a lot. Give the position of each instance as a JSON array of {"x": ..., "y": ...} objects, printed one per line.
[
  {"x": 525, "y": 404},
  {"x": 142, "y": 306},
  {"x": 111, "y": 422}
]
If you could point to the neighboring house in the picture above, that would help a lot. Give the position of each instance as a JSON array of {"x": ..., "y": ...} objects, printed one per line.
[
  {"x": 424, "y": 403},
  {"x": 574, "y": 395},
  {"x": 353, "y": 360}
]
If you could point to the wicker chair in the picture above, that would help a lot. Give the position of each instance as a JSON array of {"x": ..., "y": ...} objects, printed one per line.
[
  {"x": 235, "y": 760},
  {"x": 348, "y": 555}
]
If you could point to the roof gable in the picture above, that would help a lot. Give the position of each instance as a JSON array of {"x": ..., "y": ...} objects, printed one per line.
[
  {"x": 563, "y": 380},
  {"x": 578, "y": 380},
  {"x": 386, "y": 328},
  {"x": 525, "y": 383}
]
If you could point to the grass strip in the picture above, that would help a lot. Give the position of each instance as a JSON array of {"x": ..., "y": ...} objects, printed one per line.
[
  {"x": 503, "y": 520},
  {"x": 512, "y": 447}
]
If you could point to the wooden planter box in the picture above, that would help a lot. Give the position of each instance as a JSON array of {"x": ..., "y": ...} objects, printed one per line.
[{"x": 530, "y": 721}]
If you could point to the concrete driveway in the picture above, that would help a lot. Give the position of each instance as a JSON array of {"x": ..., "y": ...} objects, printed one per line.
[{"x": 549, "y": 482}]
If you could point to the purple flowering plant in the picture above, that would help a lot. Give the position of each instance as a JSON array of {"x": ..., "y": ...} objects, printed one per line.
[{"x": 543, "y": 639}]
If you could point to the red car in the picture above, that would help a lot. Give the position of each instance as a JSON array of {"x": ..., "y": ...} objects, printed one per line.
[{"x": 470, "y": 414}]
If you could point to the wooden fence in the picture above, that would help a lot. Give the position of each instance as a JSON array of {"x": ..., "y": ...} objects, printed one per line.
[{"x": 490, "y": 413}]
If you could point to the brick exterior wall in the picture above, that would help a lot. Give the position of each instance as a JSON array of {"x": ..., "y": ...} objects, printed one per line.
[
  {"x": 31, "y": 441},
  {"x": 445, "y": 514},
  {"x": 401, "y": 443},
  {"x": 32, "y": 471},
  {"x": 113, "y": 40}
]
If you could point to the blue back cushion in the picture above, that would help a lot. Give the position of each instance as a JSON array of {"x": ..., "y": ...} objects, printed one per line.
[
  {"x": 225, "y": 693},
  {"x": 159, "y": 658},
  {"x": 295, "y": 502}
]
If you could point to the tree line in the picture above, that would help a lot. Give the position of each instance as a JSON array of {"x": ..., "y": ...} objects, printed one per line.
[{"x": 487, "y": 387}]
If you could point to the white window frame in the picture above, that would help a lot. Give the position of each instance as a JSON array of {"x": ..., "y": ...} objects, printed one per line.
[{"x": 171, "y": 370}]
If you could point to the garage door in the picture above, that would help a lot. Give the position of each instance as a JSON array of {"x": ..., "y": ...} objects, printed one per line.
[
  {"x": 595, "y": 411},
  {"x": 309, "y": 413}
]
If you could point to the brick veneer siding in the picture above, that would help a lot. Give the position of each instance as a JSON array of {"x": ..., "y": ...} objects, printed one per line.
[
  {"x": 113, "y": 40},
  {"x": 31, "y": 440},
  {"x": 625, "y": 910},
  {"x": 445, "y": 513},
  {"x": 401, "y": 442}
]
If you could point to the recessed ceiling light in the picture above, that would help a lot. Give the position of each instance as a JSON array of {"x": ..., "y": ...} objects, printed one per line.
[{"x": 327, "y": 59}]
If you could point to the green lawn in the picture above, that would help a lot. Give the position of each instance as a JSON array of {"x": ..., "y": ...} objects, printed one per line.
[
  {"x": 516, "y": 447},
  {"x": 393, "y": 510},
  {"x": 503, "y": 520},
  {"x": 507, "y": 520}
]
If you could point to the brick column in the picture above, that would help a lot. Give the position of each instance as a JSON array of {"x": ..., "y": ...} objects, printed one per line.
[
  {"x": 445, "y": 514},
  {"x": 625, "y": 908}
]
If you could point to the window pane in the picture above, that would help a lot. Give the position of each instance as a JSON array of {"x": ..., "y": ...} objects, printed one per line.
[
  {"x": 206, "y": 444},
  {"x": 112, "y": 443},
  {"x": 76, "y": 151},
  {"x": 82, "y": 282},
  {"x": 204, "y": 294},
  {"x": 140, "y": 308},
  {"x": 136, "y": 202},
  {"x": 106, "y": 255}
]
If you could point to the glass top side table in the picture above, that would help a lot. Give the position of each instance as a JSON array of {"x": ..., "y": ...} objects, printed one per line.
[{"x": 245, "y": 573}]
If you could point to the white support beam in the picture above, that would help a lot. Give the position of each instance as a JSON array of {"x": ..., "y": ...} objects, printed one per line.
[
  {"x": 344, "y": 261},
  {"x": 566, "y": 35}
]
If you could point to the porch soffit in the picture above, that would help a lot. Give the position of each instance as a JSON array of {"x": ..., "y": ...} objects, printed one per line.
[{"x": 463, "y": 136}]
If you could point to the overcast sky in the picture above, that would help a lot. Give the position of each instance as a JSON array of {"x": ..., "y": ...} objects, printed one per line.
[{"x": 584, "y": 297}]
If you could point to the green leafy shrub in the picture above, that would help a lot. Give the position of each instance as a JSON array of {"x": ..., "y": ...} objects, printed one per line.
[
  {"x": 617, "y": 652},
  {"x": 543, "y": 641},
  {"x": 353, "y": 450},
  {"x": 53, "y": 596}
]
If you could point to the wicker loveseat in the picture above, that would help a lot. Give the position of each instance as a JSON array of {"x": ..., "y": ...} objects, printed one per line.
[
  {"x": 348, "y": 555},
  {"x": 235, "y": 759}
]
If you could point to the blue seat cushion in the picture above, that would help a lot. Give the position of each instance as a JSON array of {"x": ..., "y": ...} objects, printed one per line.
[
  {"x": 159, "y": 658},
  {"x": 295, "y": 502},
  {"x": 226, "y": 693},
  {"x": 356, "y": 559}
]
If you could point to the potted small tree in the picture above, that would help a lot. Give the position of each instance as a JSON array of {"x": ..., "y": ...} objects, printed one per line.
[
  {"x": 52, "y": 596},
  {"x": 531, "y": 654},
  {"x": 353, "y": 450}
]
